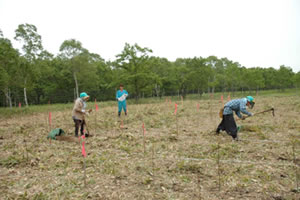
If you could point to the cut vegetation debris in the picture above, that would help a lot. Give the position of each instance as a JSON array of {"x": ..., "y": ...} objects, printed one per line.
[{"x": 193, "y": 164}]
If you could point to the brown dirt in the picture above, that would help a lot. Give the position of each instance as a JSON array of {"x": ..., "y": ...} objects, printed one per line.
[{"x": 263, "y": 165}]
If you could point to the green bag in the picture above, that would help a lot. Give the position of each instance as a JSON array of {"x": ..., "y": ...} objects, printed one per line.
[{"x": 55, "y": 132}]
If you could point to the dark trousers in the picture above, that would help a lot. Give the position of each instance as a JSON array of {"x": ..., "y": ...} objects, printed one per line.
[
  {"x": 79, "y": 123},
  {"x": 228, "y": 124}
]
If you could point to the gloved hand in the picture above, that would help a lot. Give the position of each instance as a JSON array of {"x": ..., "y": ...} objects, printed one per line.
[{"x": 243, "y": 118}]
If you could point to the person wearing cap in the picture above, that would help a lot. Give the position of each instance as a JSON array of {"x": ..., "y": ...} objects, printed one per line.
[
  {"x": 121, "y": 96},
  {"x": 236, "y": 105},
  {"x": 79, "y": 110}
]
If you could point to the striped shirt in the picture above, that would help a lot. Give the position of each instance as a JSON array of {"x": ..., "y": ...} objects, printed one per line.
[{"x": 236, "y": 105}]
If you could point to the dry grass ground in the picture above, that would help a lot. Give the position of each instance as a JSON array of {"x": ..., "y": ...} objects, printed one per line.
[{"x": 191, "y": 164}]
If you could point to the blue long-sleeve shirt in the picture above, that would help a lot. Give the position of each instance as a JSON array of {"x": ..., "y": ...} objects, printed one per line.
[
  {"x": 119, "y": 94},
  {"x": 236, "y": 105}
]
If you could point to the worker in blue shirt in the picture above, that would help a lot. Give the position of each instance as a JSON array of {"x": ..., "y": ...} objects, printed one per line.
[
  {"x": 237, "y": 105},
  {"x": 121, "y": 97}
]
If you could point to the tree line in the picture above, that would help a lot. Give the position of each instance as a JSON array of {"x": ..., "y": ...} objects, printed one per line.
[{"x": 32, "y": 75}]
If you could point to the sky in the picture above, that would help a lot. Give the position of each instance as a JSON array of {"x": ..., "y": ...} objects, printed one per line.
[{"x": 255, "y": 33}]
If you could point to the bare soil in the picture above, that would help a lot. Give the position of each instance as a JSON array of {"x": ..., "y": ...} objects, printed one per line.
[{"x": 191, "y": 163}]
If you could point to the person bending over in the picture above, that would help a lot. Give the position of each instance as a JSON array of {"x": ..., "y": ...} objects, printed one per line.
[{"x": 237, "y": 105}]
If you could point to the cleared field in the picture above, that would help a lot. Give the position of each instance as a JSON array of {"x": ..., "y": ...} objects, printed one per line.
[{"x": 192, "y": 163}]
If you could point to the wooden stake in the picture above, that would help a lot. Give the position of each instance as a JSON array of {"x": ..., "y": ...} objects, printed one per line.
[
  {"x": 153, "y": 169},
  {"x": 177, "y": 125},
  {"x": 84, "y": 168},
  {"x": 199, "y": 186},
  {"x": 143, "y": 132},
  {"x": 296, "y": 168},
  {"x": 181, "y": 100},
  {"x": 153, "y": 158},
  {"x": 95, "y": 120},
  {"x": 218, "y": 163}
]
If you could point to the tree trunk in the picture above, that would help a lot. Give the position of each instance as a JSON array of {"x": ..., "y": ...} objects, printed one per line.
[
  {"x": 213, "y": 89},
  {"x": 76, "y": 84},
  {"x": 25, "y": 97},
  {"x": 208, "y": 89},
  {"x": 8, "y": 97}
]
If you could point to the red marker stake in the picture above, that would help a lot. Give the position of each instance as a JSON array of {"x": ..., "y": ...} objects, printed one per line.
[
  {"x": 222, "y": 100},
  {"x": 96, "y": 106},
  {"x": 175, "y": 109}
]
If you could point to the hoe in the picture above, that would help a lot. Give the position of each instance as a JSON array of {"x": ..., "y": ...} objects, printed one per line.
[{"x": 271, "y": 109}]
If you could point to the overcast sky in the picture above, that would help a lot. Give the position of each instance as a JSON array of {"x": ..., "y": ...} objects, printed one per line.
[{"x": 263, "y": 33}]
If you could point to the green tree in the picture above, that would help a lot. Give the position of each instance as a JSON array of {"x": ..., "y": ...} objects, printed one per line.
[
  {"x": 43, "y": 73},
  {"x": 254, "y": 79},
  {"x": 8, "y": 65},
  {"x": 198, "y": 73},
  {"x": 72, "y": 51},
  {"x": 211, "y": 62},
  {"x": 233, "y": 75},
  {"x": 270, "y": 75},
  {"x": 180, "y": 76},
  {"x": 284, "y": 77},
  {"x": 134, "y": 69},
  {"x": 296, "y": 80},
  {"x": 32, "y": 47}
]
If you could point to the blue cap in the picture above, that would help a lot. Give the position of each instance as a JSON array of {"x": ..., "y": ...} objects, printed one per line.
[
  {"x": 250, "y": 99},
  {"x": 83, "y": 94}
]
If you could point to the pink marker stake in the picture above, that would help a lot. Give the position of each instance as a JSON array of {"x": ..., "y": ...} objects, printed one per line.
[
  {"x": 96, "y": 105},
  {"x": 83, "y": 152},
  {"x": 175, "y": 112},
  {"x": 222, "y": 100}
]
